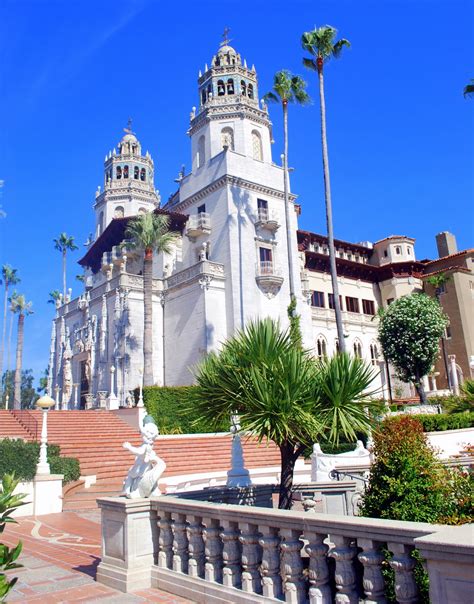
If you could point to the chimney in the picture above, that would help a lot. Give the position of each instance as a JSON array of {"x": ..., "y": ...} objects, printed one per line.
[{"x": 446, "y": 243}]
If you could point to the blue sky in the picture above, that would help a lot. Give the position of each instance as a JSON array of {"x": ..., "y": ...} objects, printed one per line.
[{"x": 71, "y": 73}]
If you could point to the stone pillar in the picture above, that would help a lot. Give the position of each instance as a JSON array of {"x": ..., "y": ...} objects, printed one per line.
[
  {"x": 57, "y": 390},
  {"x": 112, "y": 401},
  {"x": 426, "y": 383},
  {"x": 454, "y": 374}
]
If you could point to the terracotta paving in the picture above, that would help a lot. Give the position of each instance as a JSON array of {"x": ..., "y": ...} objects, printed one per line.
[{"x": 60, "y": 556}]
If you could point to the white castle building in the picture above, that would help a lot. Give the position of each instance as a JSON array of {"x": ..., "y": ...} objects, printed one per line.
[{"x": 230, "y": 262}]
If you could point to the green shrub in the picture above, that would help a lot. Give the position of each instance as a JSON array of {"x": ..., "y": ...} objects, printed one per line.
[
  {"x": 21, "y": 458},
  {"x": 171, "y": 408},
  {"x": 445, "y": 421},
  {"x": 8, "y": 556}
]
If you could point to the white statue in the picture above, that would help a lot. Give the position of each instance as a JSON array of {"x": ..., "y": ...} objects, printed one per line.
[{"x": 142, "y": 478}]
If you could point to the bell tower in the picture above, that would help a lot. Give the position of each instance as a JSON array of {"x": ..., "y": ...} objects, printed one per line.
[
  {"x": 128, "y": 183},
  {"x": 229, "y": 114}
]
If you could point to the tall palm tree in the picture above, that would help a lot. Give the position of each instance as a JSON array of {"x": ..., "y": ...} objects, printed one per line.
[
  {"x": 8, "y": 277},
  {"x": 20, "y": 306},
  {"x": 149, "y": 232},
  {"x": 63, "y": 244},
  {"x": 287, "y": 88},
  {"x": 321, "y": 45}
]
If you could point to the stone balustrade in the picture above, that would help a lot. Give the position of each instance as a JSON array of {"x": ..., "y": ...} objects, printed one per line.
[{"x": 217, "y": 553}]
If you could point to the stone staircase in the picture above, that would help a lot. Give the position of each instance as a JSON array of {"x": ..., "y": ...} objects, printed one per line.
[{"x": 95, "y": 438}]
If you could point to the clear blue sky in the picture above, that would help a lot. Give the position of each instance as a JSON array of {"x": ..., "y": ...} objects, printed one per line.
[{"x": 71, "y": 73}]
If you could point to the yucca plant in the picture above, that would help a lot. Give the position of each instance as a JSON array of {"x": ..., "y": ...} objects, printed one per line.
[{"x": 8, "y": 556}]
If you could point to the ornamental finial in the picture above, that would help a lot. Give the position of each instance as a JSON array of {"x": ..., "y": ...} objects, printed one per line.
[
  {"x": 225, "y": 37},
  {"x": 128, "y": 129}
]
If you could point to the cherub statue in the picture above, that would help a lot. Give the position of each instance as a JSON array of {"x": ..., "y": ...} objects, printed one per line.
[{"x": 143, "y": 476}]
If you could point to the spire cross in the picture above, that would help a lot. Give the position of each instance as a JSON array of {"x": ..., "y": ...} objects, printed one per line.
[
  {"x": 225, "y": 36},
  {"x": 128, "y": 129}
]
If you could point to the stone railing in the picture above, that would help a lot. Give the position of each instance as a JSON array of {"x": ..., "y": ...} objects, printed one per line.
[{"x": 217, "y": 553}]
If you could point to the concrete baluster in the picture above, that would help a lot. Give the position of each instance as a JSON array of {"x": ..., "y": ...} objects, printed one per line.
[
  {"x": 270, "y": 567},
  {"x": 345, "y": 576},
  {"x": 251, "y": 558},
  {"x": 195, "y": 547},
  {"x": 180, "y": 544},
  {"x": 319, "y": 590},
  {"x": 371, "y": 558},
  {"x": 165, "y": 541},
  {"x": 231, "y": 554},
  {"x": 212, "y": 550},
  {"x": 294, "y": 584},
  {"x": 406, "y": 590}
]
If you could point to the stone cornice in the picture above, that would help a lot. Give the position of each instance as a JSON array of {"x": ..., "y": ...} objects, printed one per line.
[
  {"x": 228, "y": 180},
  {"x": 236, "y": 111}
]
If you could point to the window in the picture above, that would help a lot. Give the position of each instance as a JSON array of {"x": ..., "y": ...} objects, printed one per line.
[
  {"x": 266, "y": 261},
  {"x": 374, "y": 354},
  {"x": 227, "y": 138},
  {"x": 265, "y": 254},
  {"x": 125, "y": 171},
  {"x": 385, "y": 253},
  {"x": 118, "y": 212},
  {"x": 203, "y": 97},
  {"x": 262, "y": 204},
  {"x": 368, "y": 307},
  {"x": 389, "y": 301},
  {"x": 243, "y": 88},
  {"x": 201, "y": 154},
  {"x": 230, "y": 86},
  {"x": 448, "y": 333},
  {"x": 336, "y": 341},
  {"x": 250, "y": 91},
  {"x": 143, "y": 174},
  {"x": 352, "y": 304},
  {"x": 201, "y": 209},
  {"x": 101, "y": 222},
  {"x": 357, "y": 349},
  {"x": 141, "y": 211},
  {"x": 441, "y": 289},
  {"x": 408, "y": 250},
  {"x": 257, "y": 145},
  {"x": 118, "y": 173},
  {"x": 317, "y": 299},
  {"x": 321, "y": 348},
  {"x": 331, "y": 301},
  {"x": 398, "y": 250},
  {"x": 136, "y": 172},
  {"x": 220, "y": 88}
]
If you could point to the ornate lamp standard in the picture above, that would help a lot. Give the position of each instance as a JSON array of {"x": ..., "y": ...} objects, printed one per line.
[{"x": 44, "y": 403}]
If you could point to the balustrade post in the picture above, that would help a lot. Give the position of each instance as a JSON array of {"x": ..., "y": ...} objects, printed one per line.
[
  {"x": 251, "y": 558},
  {"x": 345, "y": 576},
  {"x": 212, "y": 550},
  {"x": 406, "y": 590},
  {"x": 294, "y": 584},
  {"x": 371, "y": 558},
  {"x": 180, "y": 543},
  {"x": 270, "y": 567},
  {"x": 165, "y": 540},
  {"x": 231, "y": 553},
  {"x": 319, "y": 590},
  {"x": 195, "y": 547}
]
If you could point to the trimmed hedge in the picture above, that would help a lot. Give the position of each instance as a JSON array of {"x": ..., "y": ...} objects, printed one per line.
[
  {"x": 21, "y": 458},
  {"x": 445, "y": 421},
  {"x": 171, "y": 408}
]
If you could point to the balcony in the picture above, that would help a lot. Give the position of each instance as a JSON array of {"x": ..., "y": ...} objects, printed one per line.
[
  {"x": 198, "y": 224},
  {"x": 269, "y": 278},
  {"x": 267, "y": 220}
]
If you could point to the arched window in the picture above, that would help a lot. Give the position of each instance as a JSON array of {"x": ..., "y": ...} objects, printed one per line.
[
  {"x": 250, "y": 91},
  {"x": 209, "y": 91},
  {"x": 203, "y": 97},
  {"x": 125, "y": 171},
  {"x": 141, "y": 211},
  {"x": 321, "y": 347},
  {"x": 143, "y": 174},
  {"x": 357, "y": 349},
  {"x": 136, "y": 172},
  {"x": 385, "y": 253},
  {"x": 398, "y": 250},
  {"x": 101, "y": 222},
  {"x": 408, "y": 250},
  {"x": 118, "y": 173},
  {"x": 374, "y": 354},
  {"x": 220, "y": 88},
  {"x": 227, "y": 138},
  {"x": 201, "y": 154},
  {"x": 230, "y": 86},
  {"x": 118, "y": 212},
  {"x": 257, "y": 145},
  {"x": 243, "y": 88}
]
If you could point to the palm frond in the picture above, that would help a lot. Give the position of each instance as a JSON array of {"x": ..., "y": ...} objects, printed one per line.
[
  {"x": 310, "y": 64},
  {"x": 338, "y": 47},
  {"x": 150, "y": 231},
  {"x": 469, "y": 89},
  {"x": 270, "y": 97}
]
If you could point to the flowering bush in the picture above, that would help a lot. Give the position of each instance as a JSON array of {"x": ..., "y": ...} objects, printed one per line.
[{"x": 409, "y": 332}]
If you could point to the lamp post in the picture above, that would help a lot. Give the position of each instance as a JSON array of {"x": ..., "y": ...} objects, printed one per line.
[
  {"x": 44, "y": 403},
  {"x": 140, "y": 398}
]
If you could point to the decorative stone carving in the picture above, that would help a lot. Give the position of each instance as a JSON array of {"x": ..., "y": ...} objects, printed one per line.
[
  {"x": 212, "y": 550},
  {"x": 238, "y": 475},
  {"x": 251, "y": 558},
  {"x": 165, "y": 541},
  {"x": 320, "y": 590},
  {"x": 195, "y": 547},
  {"x": 180, "y": 543},
  {"x": 292, "y": 566},
  {"x": 143, "y": 476},
  {"x": 406, "y": 590},
  {"x": 373, "y": 582},
  {"x": 345, "y": 576},
  {"x": 270, "y": 567},
  {"x": 322, "y": 464},
  {"x": 231, "y": 554}
]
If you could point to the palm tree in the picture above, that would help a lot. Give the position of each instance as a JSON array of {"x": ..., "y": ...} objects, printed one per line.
[
  {"x": 9, "y": 277},
  {"x": 321, "y": 46},
  {"x": 281, "y": 393},
  {"x": 149, "y": 232},
  {"x": 469, "y": 89},
  {"x": 23, "y": 308},
  {"x": 63, "y": 244},
  {"x": 54, "y": 296},
  {"x": 287, "y": 88}
]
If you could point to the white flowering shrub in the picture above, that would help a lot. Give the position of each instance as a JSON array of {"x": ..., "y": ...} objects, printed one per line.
[{"x": 409, "y": 332}]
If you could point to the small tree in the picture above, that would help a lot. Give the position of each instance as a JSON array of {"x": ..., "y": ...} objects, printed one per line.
[
  {"x": 282, "y": 394},
  {"x": 409, "y": 332}
]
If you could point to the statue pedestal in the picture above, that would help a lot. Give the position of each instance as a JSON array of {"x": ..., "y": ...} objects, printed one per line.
[
  {"x": 238, "y": 475},
  {"x": 112, "y": 403}
]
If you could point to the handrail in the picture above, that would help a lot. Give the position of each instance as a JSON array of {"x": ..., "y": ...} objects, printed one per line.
[{"x": 27, "y": 420}]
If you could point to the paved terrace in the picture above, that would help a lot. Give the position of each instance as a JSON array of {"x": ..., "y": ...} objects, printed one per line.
[{"x": 60, "y": 556}]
